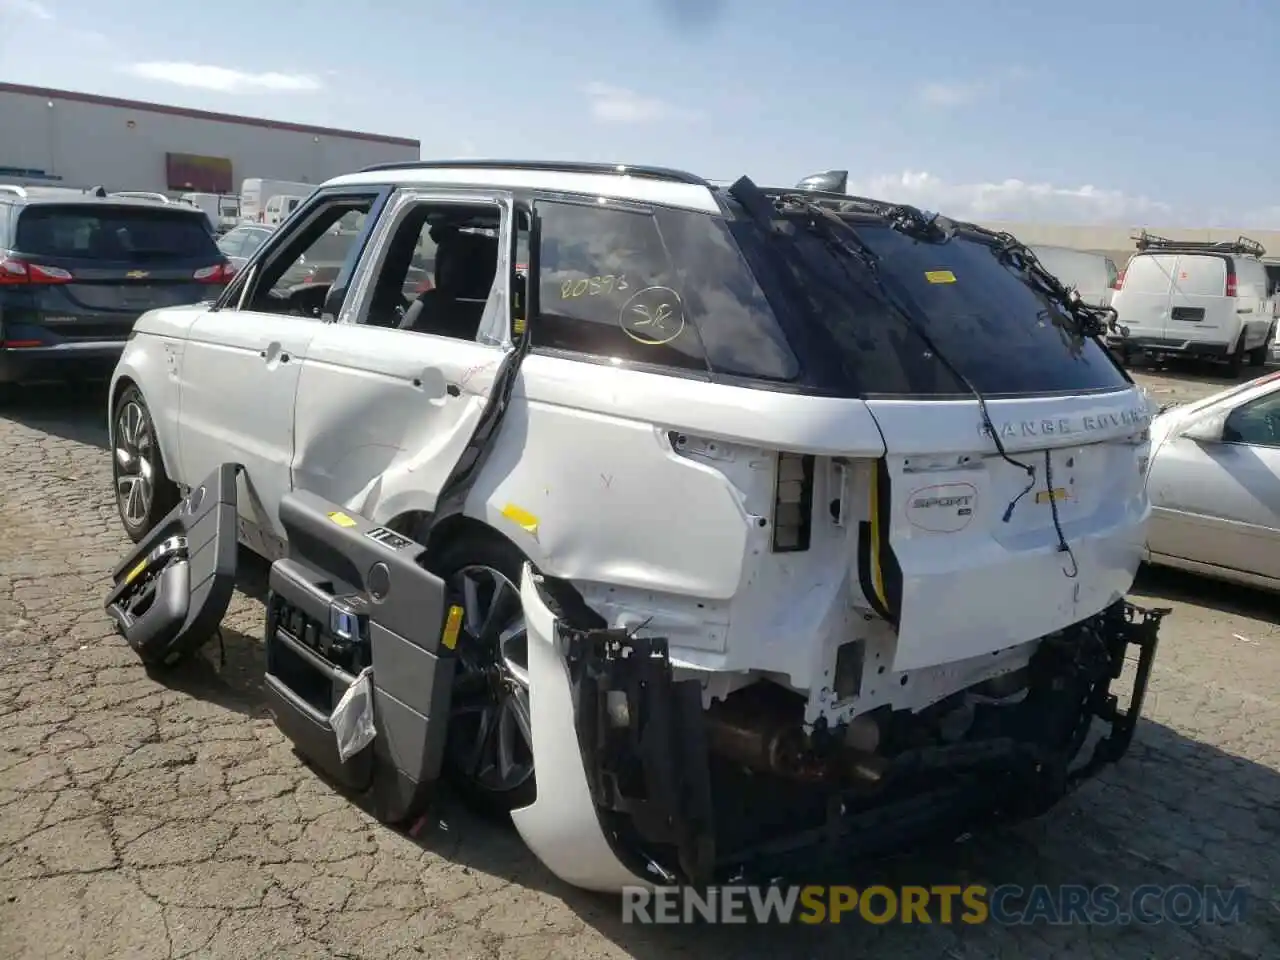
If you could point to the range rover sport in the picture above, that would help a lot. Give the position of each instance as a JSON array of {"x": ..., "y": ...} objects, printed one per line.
[{"x": 688, "y": 524}]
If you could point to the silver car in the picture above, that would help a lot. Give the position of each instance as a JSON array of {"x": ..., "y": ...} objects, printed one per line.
[{"x": 1214, "y": 482}]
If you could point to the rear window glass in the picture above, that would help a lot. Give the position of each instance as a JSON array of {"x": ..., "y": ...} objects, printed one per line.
[
  {"x": 1201, "y": 276},
  {"x": 1149, "y": 274},
  {"x": 114, "y": 233},
  {"x": 657, "y": 287},
  {"x": 1006, "y": 338}
]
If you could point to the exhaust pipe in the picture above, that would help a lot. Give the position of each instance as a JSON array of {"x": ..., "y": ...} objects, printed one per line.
[{"x": 757, "y": 732}]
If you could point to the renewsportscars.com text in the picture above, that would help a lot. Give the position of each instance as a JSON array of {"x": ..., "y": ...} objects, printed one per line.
[{"x": 1007, "y": 905}]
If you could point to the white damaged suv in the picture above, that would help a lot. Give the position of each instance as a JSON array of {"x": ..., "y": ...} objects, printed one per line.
[{"x": 689, "y": 524}]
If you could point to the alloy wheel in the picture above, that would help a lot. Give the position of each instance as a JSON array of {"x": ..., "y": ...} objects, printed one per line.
[
  {"x": 134, "y": 469},
  {"x": 490, "y": 738}
]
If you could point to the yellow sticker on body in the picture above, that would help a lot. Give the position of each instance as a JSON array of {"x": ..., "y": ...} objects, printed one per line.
[
  {"x": 521, "y": 518},
  {"x": 1058, "y": 493},
  {"x": 940, "y": 276},
  {"x": 452, "y": 627},
  {"x": 341, "y": 519}
]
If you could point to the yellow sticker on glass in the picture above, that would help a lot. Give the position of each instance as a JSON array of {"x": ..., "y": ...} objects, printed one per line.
[
  {"x": 341, "y": 519},
  {"x": 940, "y": 276}
]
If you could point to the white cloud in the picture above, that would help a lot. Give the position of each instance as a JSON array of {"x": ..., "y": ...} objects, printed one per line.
[
  {"x": 223, "y": 79},
  {"x": 610, "y": 104},
  {"x": 941, "y": 94},
  {"x": 1014, "y": 200},
  {"x": 27, "y": 8}
]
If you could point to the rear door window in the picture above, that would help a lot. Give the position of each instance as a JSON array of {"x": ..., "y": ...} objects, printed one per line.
[
  {"x": 662, "y": 287},
  {"x": 1150, "y": 273},
  {"x": 1201, "y": 276},
  {"x": 118, "y": 234}
]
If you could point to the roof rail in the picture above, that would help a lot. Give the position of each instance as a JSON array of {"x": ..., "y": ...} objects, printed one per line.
[
  {"x": 141, "y": 195},
  {"x": 1241, "y": 245},
  {"x": 12, "y": 188},
  {"x": 547, "y": 166}
]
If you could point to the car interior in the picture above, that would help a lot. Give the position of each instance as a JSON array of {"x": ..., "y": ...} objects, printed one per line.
[{"x": 464, "y": 242}]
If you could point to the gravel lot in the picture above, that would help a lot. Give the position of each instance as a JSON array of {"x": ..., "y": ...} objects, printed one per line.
[{"x": 150, "y": 817}]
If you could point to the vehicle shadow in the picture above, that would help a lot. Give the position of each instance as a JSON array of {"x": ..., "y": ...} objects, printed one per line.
[
  {"x": 228, "y": 669},
  {"x": 1175, "y": 812},
  {"x": 73, "y": 411},
  {"x": 1166, "y": 583}
]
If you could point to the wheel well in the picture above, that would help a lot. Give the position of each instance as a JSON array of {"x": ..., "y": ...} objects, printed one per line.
[
  {"x": 450, "y": 530},
  {"x": 121, "y": 386}
]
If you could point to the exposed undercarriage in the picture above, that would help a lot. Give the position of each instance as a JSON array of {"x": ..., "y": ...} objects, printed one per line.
[{"x": 702, "y": 794}]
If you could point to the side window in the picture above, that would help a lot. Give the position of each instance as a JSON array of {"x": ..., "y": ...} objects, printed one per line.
[
  {"x": 668, "y": 288},
  {"x": 1256, "y": 422},
  {"x": 437, "y": 269},
  {"x": 305, "y": 261}
]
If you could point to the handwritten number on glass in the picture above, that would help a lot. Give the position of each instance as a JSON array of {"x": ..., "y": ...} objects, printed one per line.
[
  {"x": 653, "y": 316},
  {"x": 593, "y": 286}
]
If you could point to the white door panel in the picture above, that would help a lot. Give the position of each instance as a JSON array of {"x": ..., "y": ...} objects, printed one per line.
[
  {"x": 382, "y": 410},
  {"x": 239, "y": 378}
]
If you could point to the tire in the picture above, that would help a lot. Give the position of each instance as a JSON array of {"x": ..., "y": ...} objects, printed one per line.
[
  {"x": 144, "y": 494},
  {"x": 475, "y": 553},
  {"x": 1235, "y": 363},
  {"x": 1258, "y": 356}
]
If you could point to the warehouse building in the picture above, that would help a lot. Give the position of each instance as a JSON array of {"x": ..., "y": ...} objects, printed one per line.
[{"x": 64, "y": 138}]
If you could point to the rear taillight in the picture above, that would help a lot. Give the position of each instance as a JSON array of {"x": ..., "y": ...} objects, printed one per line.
[
  {"x": 13, "y": 271},
  {"x": 793, "y": 503},
  {"x": 218, "y": 273},
  {"x": 1119, "y": 281},
  {"x": 1231, "y": 284}
]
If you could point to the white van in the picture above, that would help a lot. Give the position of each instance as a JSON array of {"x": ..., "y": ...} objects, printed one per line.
[
  {"x": 1201, "y": 299},
  {"x": 256, "y": 194},
  {"x": 279, "y": 207},
  {"x": 1092, "y": 275}
]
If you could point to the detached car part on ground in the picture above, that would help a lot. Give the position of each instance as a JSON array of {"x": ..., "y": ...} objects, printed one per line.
[{"x": 929, "y": 614}]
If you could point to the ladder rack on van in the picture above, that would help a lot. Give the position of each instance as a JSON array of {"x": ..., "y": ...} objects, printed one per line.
[{"x": 1241, "y": 246}]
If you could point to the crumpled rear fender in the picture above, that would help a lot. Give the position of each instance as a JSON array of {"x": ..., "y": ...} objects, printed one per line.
[{"x": 623, "y": 785}]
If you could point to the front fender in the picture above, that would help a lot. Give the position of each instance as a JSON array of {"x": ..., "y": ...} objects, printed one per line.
[{"x": 151, "y": 364}]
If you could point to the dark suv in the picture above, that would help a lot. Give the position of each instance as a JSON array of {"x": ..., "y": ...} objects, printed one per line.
[{"x": 78, "y": 268}]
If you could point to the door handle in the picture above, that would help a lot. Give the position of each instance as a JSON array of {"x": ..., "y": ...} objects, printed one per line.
[{"x": 273, "y": 352}]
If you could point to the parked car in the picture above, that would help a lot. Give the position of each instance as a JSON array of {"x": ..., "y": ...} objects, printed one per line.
[
  {"x": 77, "y": 269},
  {"x": 1214, "y": 482},
  {"x": 1093, "y": 275},
  {"x": 1208, "y": 300},
  {"x": 240, "y": 243},
  {"x": 664, "y": 498}
]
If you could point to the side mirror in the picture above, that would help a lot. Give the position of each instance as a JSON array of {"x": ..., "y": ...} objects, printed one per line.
[{"x": 1207, "y": 429}]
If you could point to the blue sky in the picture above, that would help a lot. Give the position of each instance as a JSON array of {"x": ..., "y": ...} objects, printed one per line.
[{"x": 1090, "y": 112}]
